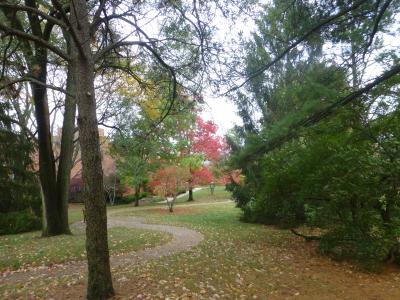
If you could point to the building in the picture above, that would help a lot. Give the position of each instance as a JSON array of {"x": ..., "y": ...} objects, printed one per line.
[{"x": 76, "y": 184}]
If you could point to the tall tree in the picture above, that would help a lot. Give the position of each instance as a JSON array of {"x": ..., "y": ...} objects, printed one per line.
[
  {"x": 177, "y": 42},
  {"x": 54, "y": 183},
  {"x": 301, "y": 167},
  {"x": 19, "y": 191}
]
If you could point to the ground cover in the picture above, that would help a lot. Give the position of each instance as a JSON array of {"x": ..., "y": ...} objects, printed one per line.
[
  {"x": 204, "y": 195},
  {"x": 30, "y": 250},
  {"x": 235, "y": 261}
]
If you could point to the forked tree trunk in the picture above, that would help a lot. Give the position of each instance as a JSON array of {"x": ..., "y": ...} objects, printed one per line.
[
  {"x": 54, "y": 214},
  {"x": 67, "y": 148},
  {"x": 99, "y": 273},
  {"x": 54, "y": 185}
]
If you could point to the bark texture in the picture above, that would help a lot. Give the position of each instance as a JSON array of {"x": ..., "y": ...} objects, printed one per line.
[{"x": 99, "y": 273}]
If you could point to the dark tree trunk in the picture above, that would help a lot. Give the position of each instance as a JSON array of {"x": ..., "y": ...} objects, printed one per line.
[
  {"x": 190, "y": 190},
  {"x": 66, "y": 151},
  {"x": 47, "y": 170},
  {"x": 99, "y": 273},
  {"x": 190, "y": 194},
  {"x": 36, "y": 59},
  {"x": 137, "y": 193},
  {"x": 171, "y": 204}
]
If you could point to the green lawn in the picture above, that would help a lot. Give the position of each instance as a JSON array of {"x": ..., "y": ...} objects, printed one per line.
[
  {"x": 245, "y": 261},
  {"x": 235, "y": 261},
  {"x": 204, "y": 195},
  {"x": 29, "y": 249}
]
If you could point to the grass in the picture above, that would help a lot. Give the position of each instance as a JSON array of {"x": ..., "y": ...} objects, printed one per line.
[
  {"x": 204, "y": 195},
  {"x": 30, "y": 250},
  {"x": 245, "y": 261},
  {"x": 220, "y": 265},
  {"x": 235, "y": 261},
  {"x": 75, "y": 213}
]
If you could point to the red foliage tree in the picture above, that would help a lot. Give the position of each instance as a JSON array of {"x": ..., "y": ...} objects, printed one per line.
[
  {"x": 204, "y": 140},
  {"x": 203, "y": 176}
]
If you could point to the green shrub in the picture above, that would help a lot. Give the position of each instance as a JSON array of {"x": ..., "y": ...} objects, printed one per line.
[
  {"x": 131, "y": 198},
  {"x": 242, "y": 194},
  {"x": 369, "y": 252},
  {"x": 143, "y": 195},
  {"x": 336, "y": 179},
  {"x": 125, "y": 199},
  {"x": 19, "y": 221}
]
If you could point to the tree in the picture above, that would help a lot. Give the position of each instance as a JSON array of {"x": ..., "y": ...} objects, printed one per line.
[
  {"x": 179, "y": 49},
  {"x": 138, "y": 145},
  {"x": 20, "y": 197},
  {"x": 301, "y": 167},
  {"x": 203, "y": 144},
  {"x": 111, "y": 187},
  {"x": 168, "y": 182},
  {"x": 54, "y": 181}
]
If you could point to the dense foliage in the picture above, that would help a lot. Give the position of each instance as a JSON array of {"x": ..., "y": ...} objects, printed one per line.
[
  {"x": 20, "y": 202},
  {"x": 340, "y": 175}
]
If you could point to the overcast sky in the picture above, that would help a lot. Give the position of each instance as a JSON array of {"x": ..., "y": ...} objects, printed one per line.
[{"x": 222, "y": 112}]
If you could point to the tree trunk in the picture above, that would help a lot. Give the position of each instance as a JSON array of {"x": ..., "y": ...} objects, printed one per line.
[
  {"x": 171, "y": 204},
  {"x": 37, "y": 65},
  {"x": 137, "y": 192},
  {"x": 47, "y": 170},
  {"x": 66, "y": 151},
  {"x": 99, "y": 273},
  {"x": 190, "y": 190}
]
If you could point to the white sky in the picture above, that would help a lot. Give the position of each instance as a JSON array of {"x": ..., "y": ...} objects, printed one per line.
[
  {"x": 222, "y": 112},
  {"x": 219, "y": 109}
]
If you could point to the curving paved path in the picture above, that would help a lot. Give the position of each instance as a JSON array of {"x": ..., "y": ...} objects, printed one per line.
[{"x": 182, "y": 239}]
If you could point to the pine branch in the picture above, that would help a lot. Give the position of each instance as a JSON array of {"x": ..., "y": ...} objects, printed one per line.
[
  {"x": 306, "y": 237},
  {"x": 322, "y": 114},
  {"x": 310, "y": 32},
  {"x": 376, "y": 24}
]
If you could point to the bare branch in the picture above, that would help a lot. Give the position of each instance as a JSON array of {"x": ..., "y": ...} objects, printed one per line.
[
  {"x": 96, "y": 17},
  {"x": 11, "y": 31},
  {"x": 376, "y": 25},
  {"x": 34, "y": 80},
  {"x": 33, "y": 10},
  {"x": 110, "y": 127}
]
